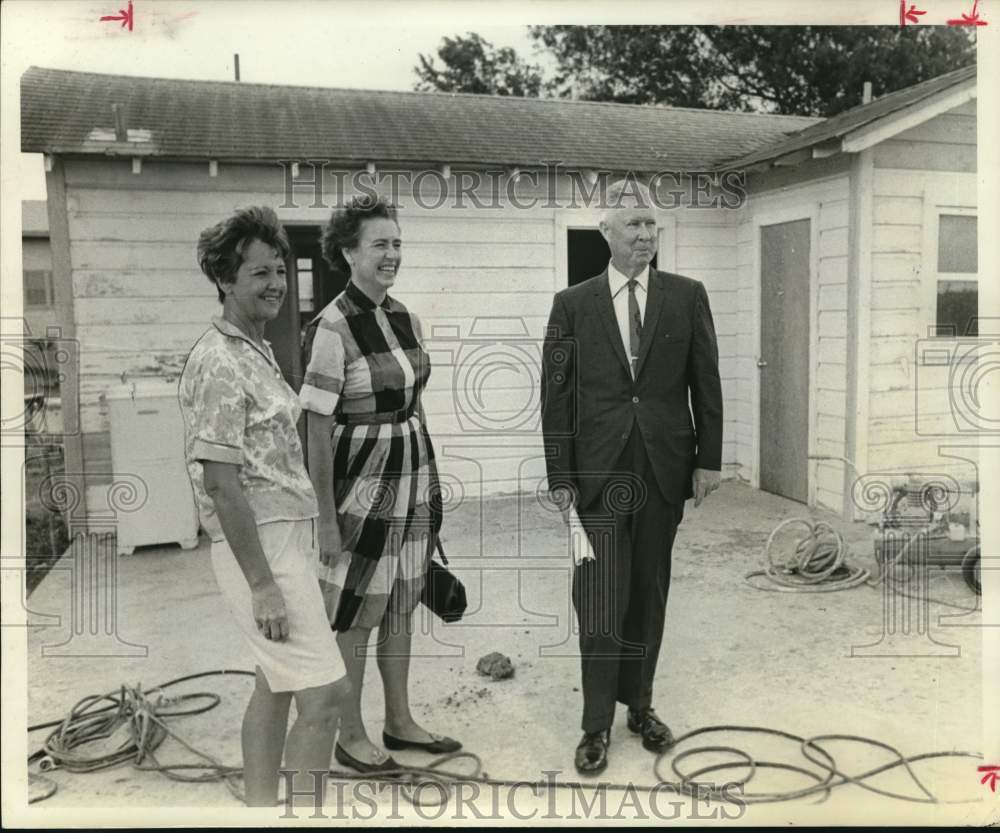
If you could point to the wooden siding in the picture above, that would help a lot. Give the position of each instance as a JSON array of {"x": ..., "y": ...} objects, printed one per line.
[
  {"x": 69, "y": 386},
  {"x": 944, "y": 143},
  {"x": 476, "y": 277},
  {"x": 807, "y": 174},
  {"x": 707, "y": 251},
  {"x": 910, "y": 406}
]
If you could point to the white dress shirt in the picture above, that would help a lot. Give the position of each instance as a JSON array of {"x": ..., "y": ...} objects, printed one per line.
[{"x": 618, "y": 284}]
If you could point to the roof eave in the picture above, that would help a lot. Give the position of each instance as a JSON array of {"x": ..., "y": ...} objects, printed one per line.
[
  {"x": 870, "y": 132},
  {"x": 903, "y": 119},
  {"x": 125, "y": 152}
]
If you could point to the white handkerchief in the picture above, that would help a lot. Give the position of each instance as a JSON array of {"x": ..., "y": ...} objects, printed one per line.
[{"x": 580, "y": 543}]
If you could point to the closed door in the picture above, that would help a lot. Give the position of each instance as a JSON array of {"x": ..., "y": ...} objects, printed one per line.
[{"x": 784, "y": 359}]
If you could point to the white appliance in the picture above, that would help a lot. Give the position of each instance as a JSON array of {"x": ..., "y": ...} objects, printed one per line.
[{"x": 150, "y": 491}]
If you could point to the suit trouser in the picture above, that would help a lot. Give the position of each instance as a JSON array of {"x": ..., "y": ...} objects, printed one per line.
[{"x": 621, "y": 596}]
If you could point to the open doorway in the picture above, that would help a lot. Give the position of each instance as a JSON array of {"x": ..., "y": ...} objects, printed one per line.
[
  {"x": 312, "y": 284},
  {"x": 587, "y": 254}
]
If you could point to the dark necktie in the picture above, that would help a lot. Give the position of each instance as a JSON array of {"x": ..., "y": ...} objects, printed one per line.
[{"x": 634, "y": 325}]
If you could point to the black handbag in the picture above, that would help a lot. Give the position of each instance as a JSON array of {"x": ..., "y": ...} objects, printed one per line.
[{"x": 443, "y": 593}]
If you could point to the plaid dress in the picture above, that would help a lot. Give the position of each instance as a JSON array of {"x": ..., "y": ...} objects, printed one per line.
[{"x": 367, "y": 366}]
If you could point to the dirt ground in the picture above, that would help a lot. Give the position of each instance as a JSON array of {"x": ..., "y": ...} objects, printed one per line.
[{"x": 845, "y": 663}]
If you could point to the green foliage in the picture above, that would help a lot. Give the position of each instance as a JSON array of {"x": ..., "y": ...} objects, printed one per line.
[
  {"x": 795, "y": 70},
  {"x": 474, "y": 65}
]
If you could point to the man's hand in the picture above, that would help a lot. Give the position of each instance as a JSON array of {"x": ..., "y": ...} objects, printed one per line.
[
  {"x": 329, "y": 542},
  {"x": 269, "y": 611},
  {"x": 562, "y": 497},
  {"x": 703, "y": 483}
]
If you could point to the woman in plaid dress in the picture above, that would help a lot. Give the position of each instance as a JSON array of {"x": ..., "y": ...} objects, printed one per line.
[{"x": 372, "y": 465}]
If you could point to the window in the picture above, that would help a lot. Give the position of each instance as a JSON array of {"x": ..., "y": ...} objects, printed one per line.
[
  {"x": 38, "y": 291},
  {"x": 36, "y": 260},
  {"x": 304, "y": 270},
  {"x": 957, "y": 275},
  {"x": 306, "y": 293}
]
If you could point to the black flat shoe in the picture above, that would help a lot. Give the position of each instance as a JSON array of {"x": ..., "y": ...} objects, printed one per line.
[
  {"x": 656, "y": 735},
  {"x": 345, "y": 758},
  {"x": 441, "y": 745},
  {"x": 592, "y": 753}
]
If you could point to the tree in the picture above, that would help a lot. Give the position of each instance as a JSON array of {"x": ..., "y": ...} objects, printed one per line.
[
  {"x": 628, "y": 64},
  {"x": 796, "y": 70},
  {"x": 474, "y": 65},
  {"x": 800, "y": 70}
]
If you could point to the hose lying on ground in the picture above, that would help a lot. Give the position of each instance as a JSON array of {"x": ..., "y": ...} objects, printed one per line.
[
  {"x": 141, "y": 717},
  {"x": 145, "y": 717},
  {"x": 819, "y": 564}
]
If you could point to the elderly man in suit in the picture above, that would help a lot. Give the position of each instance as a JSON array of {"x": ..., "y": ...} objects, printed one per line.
[{"x": 625, "y": 353}]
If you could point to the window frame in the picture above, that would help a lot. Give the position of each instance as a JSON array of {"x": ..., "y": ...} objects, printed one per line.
[
  {"x": 49, "y": 287},
  {"x": 937, "y": 208}
]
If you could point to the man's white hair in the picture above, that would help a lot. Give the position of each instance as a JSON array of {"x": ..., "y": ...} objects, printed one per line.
[{"x": 626, "y": 192}]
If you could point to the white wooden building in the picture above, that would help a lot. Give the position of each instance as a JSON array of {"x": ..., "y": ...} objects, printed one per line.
[{"x": 825, "y": 280}]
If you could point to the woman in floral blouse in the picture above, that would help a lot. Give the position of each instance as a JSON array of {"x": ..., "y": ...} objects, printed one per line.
[{"x": 258, "y": 505}]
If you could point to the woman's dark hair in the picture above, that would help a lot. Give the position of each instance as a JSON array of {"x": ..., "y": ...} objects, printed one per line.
[
  {"x": 343, "y": 231},
  {"x": 221, "y": 247}
]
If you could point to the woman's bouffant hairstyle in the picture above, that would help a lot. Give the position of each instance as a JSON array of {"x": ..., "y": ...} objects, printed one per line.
[
  {"x": 343, "y": 231},
  {"x": 221, "y": 247}
]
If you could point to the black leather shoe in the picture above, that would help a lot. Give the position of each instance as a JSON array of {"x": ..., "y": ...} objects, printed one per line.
[
  {"x": 656, "y": 735},
  {"x": 441, "y": 745},
  {"x": 592, "y": 753},
  {"x": 345, "y": 758}
]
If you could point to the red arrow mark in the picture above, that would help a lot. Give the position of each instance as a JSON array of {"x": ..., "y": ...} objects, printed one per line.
[
  {"x": 910, "y": 14},
  {"x": 124, "y": 15},
  {"x": 969, "y": 19}
]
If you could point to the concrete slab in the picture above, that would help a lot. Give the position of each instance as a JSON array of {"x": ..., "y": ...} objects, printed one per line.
[{"x": 732, "y": 655}]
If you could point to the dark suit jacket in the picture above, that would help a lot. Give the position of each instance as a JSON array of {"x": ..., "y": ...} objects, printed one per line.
[{"x": 590, "y": 402}]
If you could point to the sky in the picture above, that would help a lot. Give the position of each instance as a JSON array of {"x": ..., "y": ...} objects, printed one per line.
[{"x": 333, "y": 44}]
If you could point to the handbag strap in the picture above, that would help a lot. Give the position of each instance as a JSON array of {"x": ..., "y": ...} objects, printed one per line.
[{"x": 440, "y": 550}]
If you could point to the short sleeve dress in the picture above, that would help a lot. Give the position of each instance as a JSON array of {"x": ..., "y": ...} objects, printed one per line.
[{"x": 366, "y": 365}]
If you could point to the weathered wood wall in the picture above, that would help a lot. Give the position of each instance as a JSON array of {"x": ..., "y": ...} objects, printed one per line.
[
  {"x": 910, "y": 410},
  {"x": 482, "y": 281}
]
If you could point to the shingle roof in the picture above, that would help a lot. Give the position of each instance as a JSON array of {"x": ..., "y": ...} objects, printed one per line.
[
  {"x": 238, "y": 121},
  {"x": 843, "y": 123}
]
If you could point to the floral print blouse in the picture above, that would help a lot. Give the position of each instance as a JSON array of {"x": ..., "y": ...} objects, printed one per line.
[{"x": 237, "y": 408}]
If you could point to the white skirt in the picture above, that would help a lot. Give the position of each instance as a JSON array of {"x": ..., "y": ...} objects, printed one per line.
[{"x": 309, "y": 656}]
